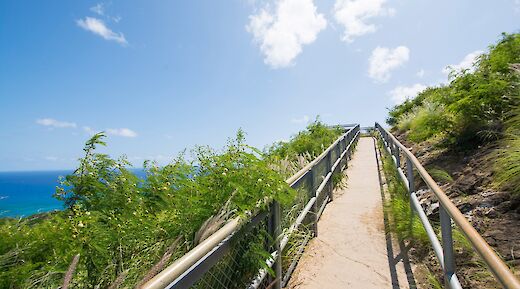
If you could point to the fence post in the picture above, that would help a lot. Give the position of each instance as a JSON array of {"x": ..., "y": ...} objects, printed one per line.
[
  {"x": 329, "y": 169},
  {"x": 275, "y": 232},
  {"x": 411, "y": 189},
  {"x": 397, "y": 154},
  {"x": 314, "y": 209},
  {"x": 447, "y": 245}
]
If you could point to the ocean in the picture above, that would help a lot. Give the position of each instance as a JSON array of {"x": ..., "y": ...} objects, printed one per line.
[{"x": 26, "y": 193}]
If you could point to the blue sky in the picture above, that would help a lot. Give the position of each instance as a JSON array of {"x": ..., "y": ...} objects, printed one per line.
[{"x": 161, "y": 76}]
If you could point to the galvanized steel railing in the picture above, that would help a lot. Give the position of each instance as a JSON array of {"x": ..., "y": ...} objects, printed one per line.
[
  {"x": 315, "y": 179},
  {"x": 448, "y": 212}
]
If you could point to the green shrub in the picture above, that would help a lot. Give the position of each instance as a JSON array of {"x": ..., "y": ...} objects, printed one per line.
[
  {"x": 121, "y": 225},
  {"x": 471, "y": 104},
  {"x": 288, "y": 157},
  {"x": 430, "y": 119}
]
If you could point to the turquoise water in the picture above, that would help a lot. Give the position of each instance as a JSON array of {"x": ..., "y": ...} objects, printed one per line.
[{"x": 27, "y": 193}]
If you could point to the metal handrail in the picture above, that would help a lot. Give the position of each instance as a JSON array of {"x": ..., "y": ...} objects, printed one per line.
[
  {"x": 180, "y": 266},
  {"x": 449, "y": 212}
]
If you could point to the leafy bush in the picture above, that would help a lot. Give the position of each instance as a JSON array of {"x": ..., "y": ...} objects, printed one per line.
[
  {"x": 472, "y": 103},
  {"x": 122, "y": 226},
  {"x": 289, "y": 157},
  {"x": 429, "y": 120}
]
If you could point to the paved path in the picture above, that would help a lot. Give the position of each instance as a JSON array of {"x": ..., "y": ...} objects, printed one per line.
[{"x": 351, "y": 250}]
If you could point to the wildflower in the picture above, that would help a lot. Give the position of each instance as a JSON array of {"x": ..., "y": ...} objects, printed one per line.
[{"x": 81, "y": 224}]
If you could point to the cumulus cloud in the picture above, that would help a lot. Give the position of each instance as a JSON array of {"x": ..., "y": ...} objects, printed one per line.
[
  {"x": 301, "y": 120},
  {"x": 402, "y": 93},
  {"x": 98, "y": 27},
  {"x": 282, "y": 33},
  {"x": 124, "y": 132},
  {"x": 354, "y": 15},
  {"x": 50, "y": 122},
  {"x": 383, "y": 60},
  {"x": 466, "y": 63},
  {"x": 420, "y": 73}
]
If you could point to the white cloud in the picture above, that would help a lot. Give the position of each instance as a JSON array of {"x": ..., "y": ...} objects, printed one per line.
[
  {"x": 401, "y": 93},
  {"x": 98, "y": 27},
  {"x": 383, "y": 60},
  {"x": 301, "y": 120},
  {"x": 282, "y": 33},
  {"x": 420, "y": 73},
  {"x": 89, "y": 130},
  {"x": 51, "y": 158},
  {"x": 124, "y": 132},
  {"x": 354, "y": 14},
  {"x": 55, "y": 123},
  {"x": 466, "y": 63},
  {"x": 98, "y": 9}
]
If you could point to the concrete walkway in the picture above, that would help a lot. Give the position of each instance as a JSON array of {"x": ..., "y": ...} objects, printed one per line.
[{"x": 352, "y": 249}]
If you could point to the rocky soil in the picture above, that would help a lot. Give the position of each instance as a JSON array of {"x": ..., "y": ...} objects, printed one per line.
[{"x": 495, "y": 214}]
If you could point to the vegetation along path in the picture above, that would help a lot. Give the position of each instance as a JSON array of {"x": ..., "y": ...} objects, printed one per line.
[{"x": 352, "y": 250}]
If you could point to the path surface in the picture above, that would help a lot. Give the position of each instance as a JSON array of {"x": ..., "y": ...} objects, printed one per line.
[{"x": 351, "y": 248}]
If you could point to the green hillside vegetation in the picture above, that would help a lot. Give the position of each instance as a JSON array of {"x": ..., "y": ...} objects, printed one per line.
[
  {"x": 118, "y": 229},
  {"x": 478, "y": 106}
]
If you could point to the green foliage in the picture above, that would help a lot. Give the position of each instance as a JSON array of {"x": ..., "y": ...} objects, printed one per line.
[
  {"x": 507, "y": 165},
  {"x": 429, "y": 120},
  {"x": 313, "y": 140},
  {"x": 472, "y": 103},
  {"x": 121, "y": 225},
  {"x": 405, "y": 223},
  {"x": 439, "y": 175}
]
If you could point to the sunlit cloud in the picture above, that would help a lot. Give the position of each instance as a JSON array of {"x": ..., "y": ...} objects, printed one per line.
[
  {"x": 98, "y": 27},
  {"x": 282, "y": 33},
  {"x": 383, "y": 60}
]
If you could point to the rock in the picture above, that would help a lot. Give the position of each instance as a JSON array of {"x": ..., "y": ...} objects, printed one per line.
[
  {"x": 515, "y": 201},
  {"x": 464, "y": 207},
  {"x": 491, "y": 213},
  {"x": 499, "y": 197},
  {"x": 503, "y": 207}
]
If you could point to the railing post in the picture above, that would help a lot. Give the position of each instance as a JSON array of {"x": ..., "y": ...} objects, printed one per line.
[
  {"x": 411, "y": 190},
  {"x": 447, "y": 245},
  {"x": 397, "y": 154},
  {"x": 329, "y": 169},
  {"x": 344, "y": 147},
  {"x": 275, "y": 231},
  {"x": 314, "y": 209}
]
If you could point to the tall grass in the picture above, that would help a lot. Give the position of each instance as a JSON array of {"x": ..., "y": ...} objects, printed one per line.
[
  {"x": 404, "y": 223},
  {"x": 507, "y": 165}
]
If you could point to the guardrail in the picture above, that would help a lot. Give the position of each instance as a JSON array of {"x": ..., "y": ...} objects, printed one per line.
[
  {"x": 448, "y": 212},
  {"x": 216, "y": 262}
]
